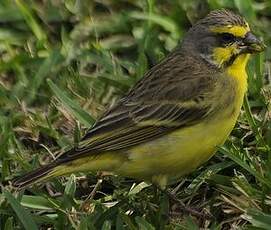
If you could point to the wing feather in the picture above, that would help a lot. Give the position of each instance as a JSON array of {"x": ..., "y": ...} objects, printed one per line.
[{"x": 164, "y": 100}]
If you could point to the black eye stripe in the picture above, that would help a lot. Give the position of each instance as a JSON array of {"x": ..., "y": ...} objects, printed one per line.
[{"x": 227, "y": 38}]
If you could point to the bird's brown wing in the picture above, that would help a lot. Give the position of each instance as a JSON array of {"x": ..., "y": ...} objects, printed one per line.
[{"x": 171, "y": 95}]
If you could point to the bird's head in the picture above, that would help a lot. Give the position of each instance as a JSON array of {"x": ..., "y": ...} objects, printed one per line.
[{"x": 221, "y": 38}]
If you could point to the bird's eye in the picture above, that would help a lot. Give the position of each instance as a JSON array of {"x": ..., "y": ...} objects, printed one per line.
[{"x": 227, "y": 38}]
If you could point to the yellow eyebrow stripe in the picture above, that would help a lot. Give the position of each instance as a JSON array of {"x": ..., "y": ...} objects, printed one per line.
[{"x": 237, "y": 31}]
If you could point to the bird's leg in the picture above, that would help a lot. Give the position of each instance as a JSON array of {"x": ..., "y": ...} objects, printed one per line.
[
  {"x": 185, "y": 208},
  {"x": 162, "y": 214},
  {"x": 92, "y": 194},
  {"x": 160, "y": 182}
]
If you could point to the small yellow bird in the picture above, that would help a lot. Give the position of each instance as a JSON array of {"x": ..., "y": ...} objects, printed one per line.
[{"x": 174, "y": 118}]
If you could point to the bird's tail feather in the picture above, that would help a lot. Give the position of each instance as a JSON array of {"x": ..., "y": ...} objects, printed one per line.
[{"x": 37, "y": 175}]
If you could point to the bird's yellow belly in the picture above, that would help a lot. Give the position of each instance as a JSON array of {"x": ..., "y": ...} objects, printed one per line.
[{"x": 178, "y": 153}]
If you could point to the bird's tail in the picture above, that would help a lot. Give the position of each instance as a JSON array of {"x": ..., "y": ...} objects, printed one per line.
[
  {"x": 60, "y": 167},
  {"x": 40, "y": 174}
]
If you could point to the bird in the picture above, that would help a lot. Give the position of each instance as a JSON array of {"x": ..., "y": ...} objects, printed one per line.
[{"x": 176, "y": 116}]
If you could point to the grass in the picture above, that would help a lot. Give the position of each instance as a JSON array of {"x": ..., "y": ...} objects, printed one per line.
[{"x": 63, "y": 62}]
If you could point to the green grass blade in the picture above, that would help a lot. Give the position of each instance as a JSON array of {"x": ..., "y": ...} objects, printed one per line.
[
  {"x": 252, "y": 123},
  {"x": 22, "y": 213},
  {"x": 9, "y": 224},
  {"x": 143, "y": 224},
  {"x": 38, "y": 202},
  {"x": 31, "y": 21},
  {"x": 258, "y": 219},
  {"x": 71, "y": 105},
  {"x": 234, "y": 156},
  {"x": 43, "y": 71},
  {"x": 165, "y": 22}
]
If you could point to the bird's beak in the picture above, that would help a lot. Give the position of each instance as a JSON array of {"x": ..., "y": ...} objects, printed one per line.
[{"x": 251, "y": 44}]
